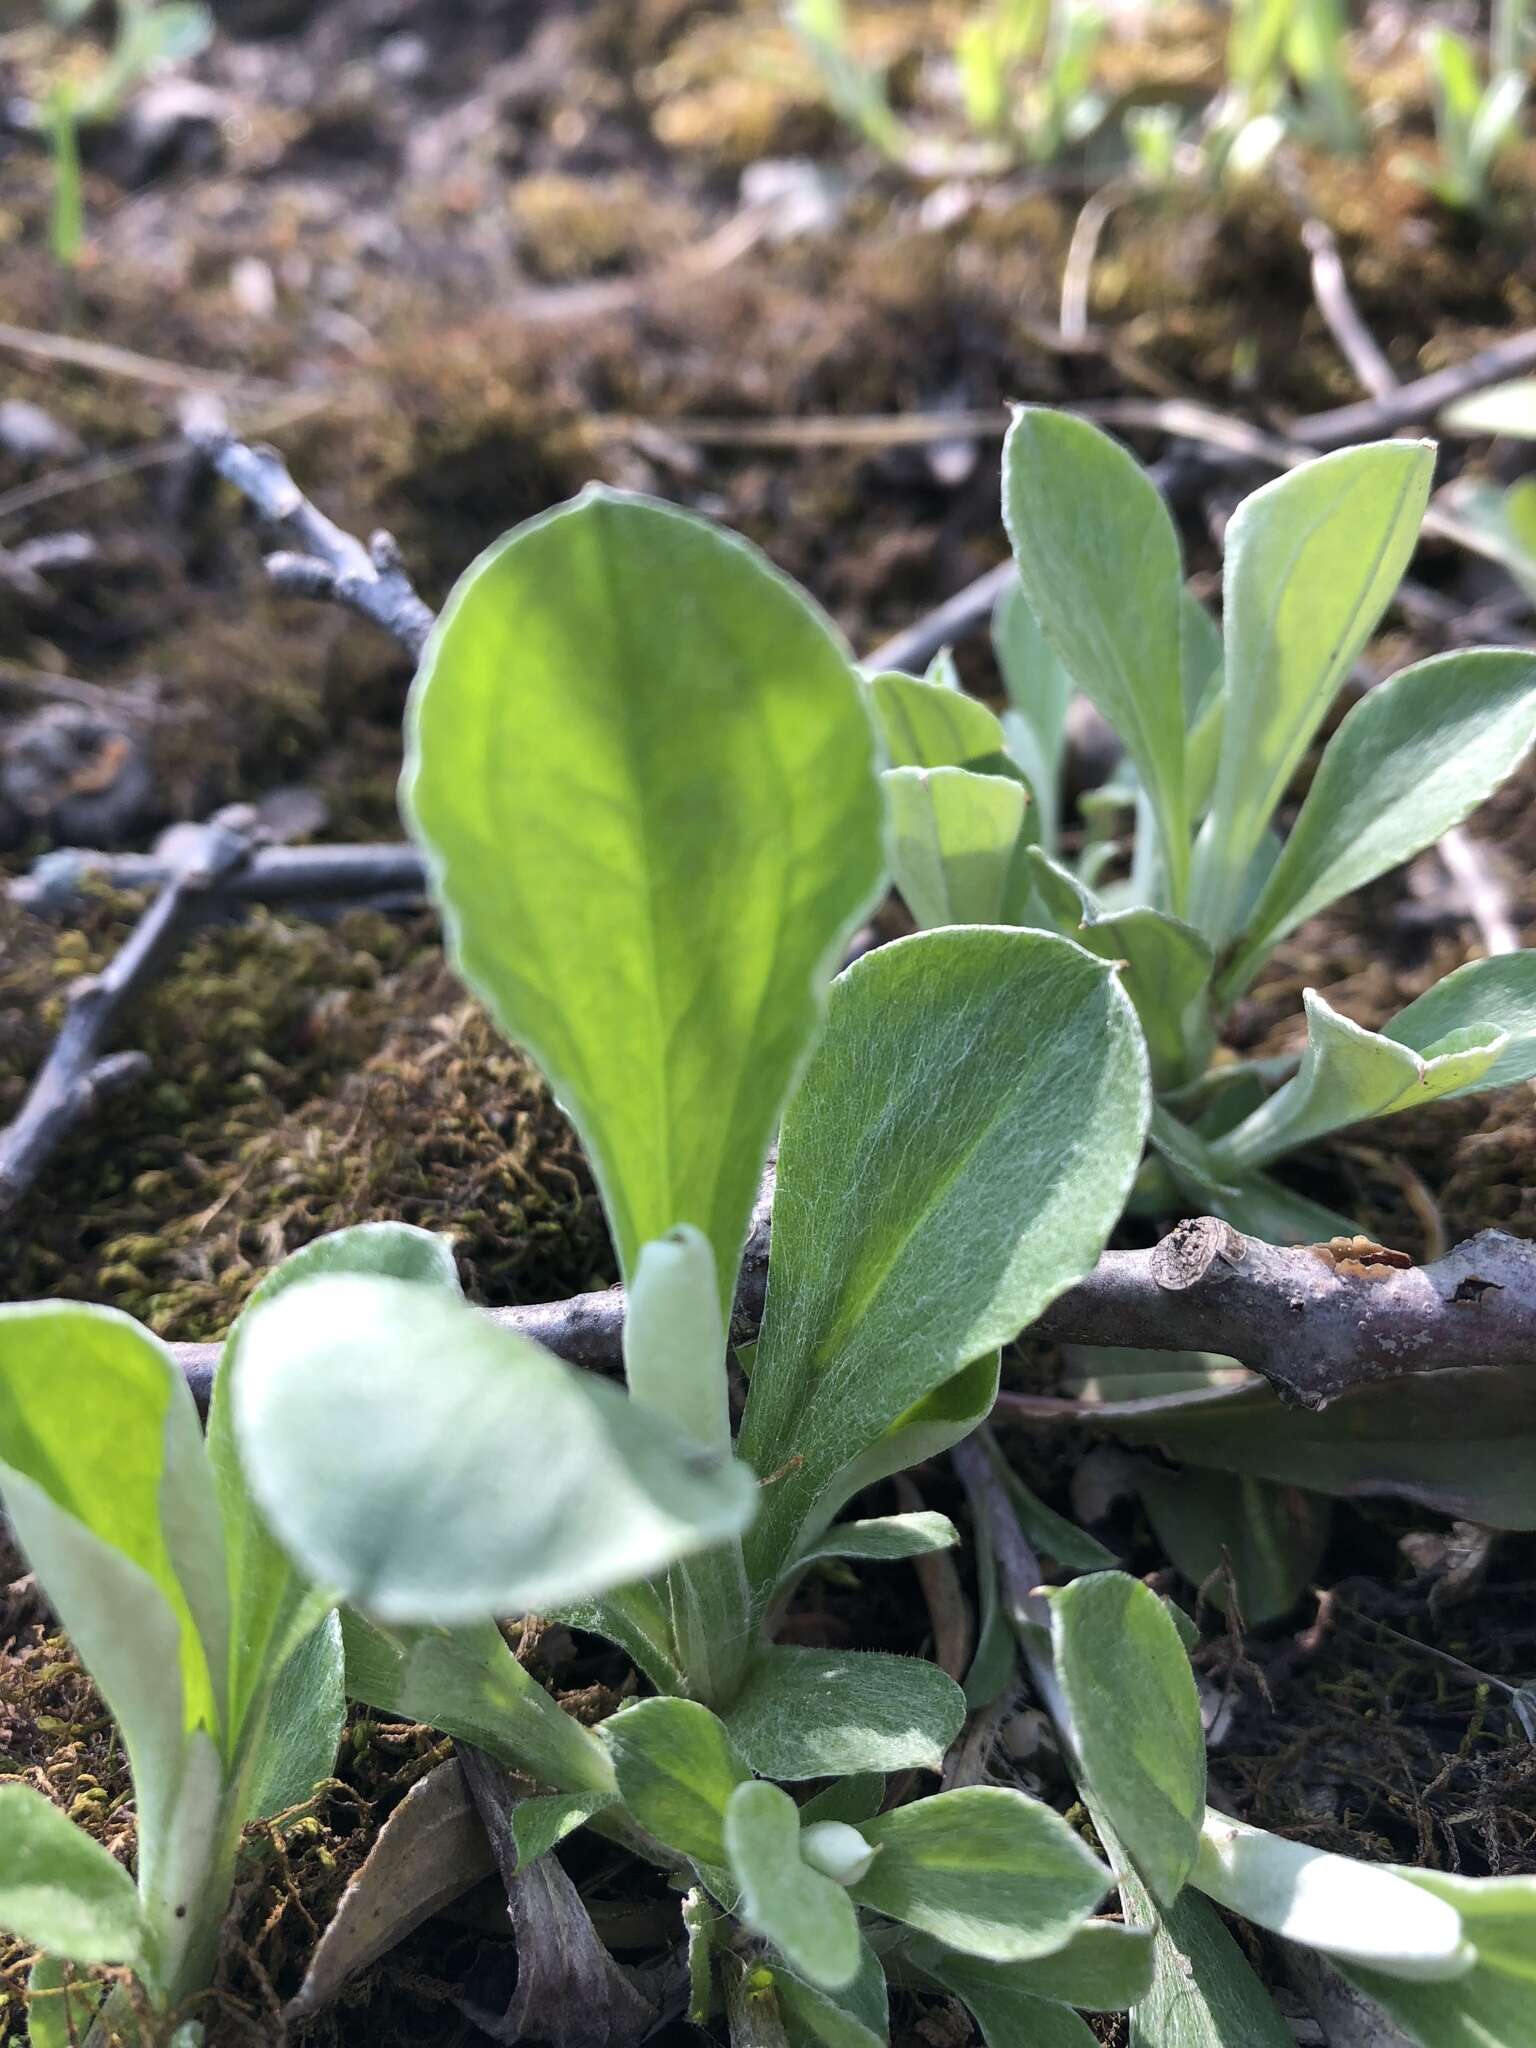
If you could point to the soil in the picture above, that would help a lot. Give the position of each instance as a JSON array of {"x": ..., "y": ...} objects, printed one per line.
[{"x": 456, "y": 262}]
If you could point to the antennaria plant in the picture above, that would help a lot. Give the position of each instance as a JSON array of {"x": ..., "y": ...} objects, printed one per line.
[
  {"x": 1215, "y": 724},
  {"x": 221, "y": 1663},
  {"x": 654, "y": 794}
]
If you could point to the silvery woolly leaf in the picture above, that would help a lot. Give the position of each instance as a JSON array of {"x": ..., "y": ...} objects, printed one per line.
[
  {"x": 1204, "y": 1993},
  {"x": 302, "y": 1726},
  {"x": 1105, "y": 1967},
  {"x": 1098, "y": 559},
  {"x": 497, "y": 1481},
  {"x": 988, "y": 1871},
  {"x": 883, "y": 1539},
  {"x": 1164, "y": 963},
  {"x": 1498, "y": 1915},
  {"x": 1497, "y": 994},
  {"x": 1136, "y": 1723},
  {"x": 1412, "y": 758},
  {"x": 854, "y": 2017},
  {"x": 953, "y": 836},
  {"x": 1039, "y": 691},
  {"x": 956, "y": 1155},
  {"x": 1312, "y": 561},
  {"x": 272, "y": 1606},
  {"x": 106, "y": 1484},
  {"x": 677, "y": 1768},
  {"x": 1355, "y": 1912},
  {"x": 467, "y": 1682},
  {"x": 830, "y": 1713},
  {"x": 929, "y": 725},
  {"x": 1348, "y": 1074},
  {"x": 805, "y": 1915},
  {"x": 61, "y": 1890},
  {"x": 641, "y": 766}
]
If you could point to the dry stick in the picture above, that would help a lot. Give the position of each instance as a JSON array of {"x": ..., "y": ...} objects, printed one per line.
[
  {"x": 327, "y": 562},
  {"x": 1313, "y": 1322},
  {"x": 1466, "y": 863},
  {"x": 363, "y": 875},
  {"x": 76, "y": 1076},
  {"x": 1407, "y": 404}
]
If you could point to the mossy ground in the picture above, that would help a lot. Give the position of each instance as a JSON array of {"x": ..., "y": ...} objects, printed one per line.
[{"x": 430, "y": 240}]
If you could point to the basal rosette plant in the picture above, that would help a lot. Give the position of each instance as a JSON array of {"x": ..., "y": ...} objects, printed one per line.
[
  {"x": 221, "y": 1664},
  {"x": 654, "y": 792},
  {"x": 645, "y": 773},
  {"x": 1215, "y": 723}
]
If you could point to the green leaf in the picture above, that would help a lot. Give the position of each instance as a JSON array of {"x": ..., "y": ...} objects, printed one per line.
[
  {"x": 1098, "y": 559},
  {"x": 500, "y": 1481},
  {"x": 62, "y": 1891},
  {"x": 1412, "y": 758},
  {"x": 1204, "y": 1994},
  {"x": 106, "y": 1484},
  {"x": 675, "y": 1338},
  {"x": 1498, "y": 994},
  {"x": 302, "y": 1726},
  {"x": 1312, "y": 561},
  {"x": 854, "y": 2017},
  {"x": 1485, "y": 2009},
  {"x": 1251, "y": 1202},
  {"x": 1165, "y": 964},
  {"x": 272, "y": 1606},
  {"x": 1348, "y": 1074},
  {"x": 1135, "y": 1720},
  {"x": 802, "y": 1913},
  {"x": 925, "y": 1430},
  {"x": 1202, "y": 661},
  {"x": 952, "y": 838},
  {"x": 1498, "y": 1914},
  {"x": 1273, "y": 1537},
  {"x": 1008, "y": 2015},
  {"x": 1052, "y": 1533},
  {"x": 677, "y": 1768},
  {"x": 60, "y": 2006},
  {"x": 1105, "y": 1967},
  {"x": 852, "y": 1800},
  {"x": 468, "y": 1683},
  {"x": 829, "y": 1713},
  {"x": 1508, "y": 409},
  {"x": 1462, "y": 1442},
  {"x": 988, "y": 1871},
  {"x": 930, "y": 725},
  {"x": 639, "y": 1620},
  {"x": 641, "y": 766},
  {"x": 1355, "y": 1912},
  {"x": 957, "y": 1154},
  {"x": 540, "y": 1824},
  {"x": 884, "y": 1539},
  {"x": 1039, "y": 691}
]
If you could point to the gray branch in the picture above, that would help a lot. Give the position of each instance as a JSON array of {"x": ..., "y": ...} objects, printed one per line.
[
  {"x": 1314, "y": 1320},
  {"x": 370, "y": 874},
  {"x": 1409, "y": 404},
  {"x": 76, "y": 1077},
  {"x": 326, "y": 562}
]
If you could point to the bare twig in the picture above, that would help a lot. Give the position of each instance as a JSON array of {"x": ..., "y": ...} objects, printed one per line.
[
  {"x": 1330, "y": 288},
  {"x": 76, "y": 1076},
  {"x": 366, "y": 874},
  {"x": 328, "y": 562},
  {"x": 1314, "y": 1321},
  {"x": 917, "y": 644},
  {"x": 105, "y": 360},
  {"x": 1409, "y": 404}
]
